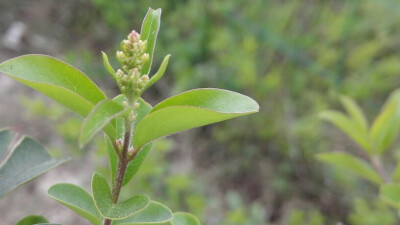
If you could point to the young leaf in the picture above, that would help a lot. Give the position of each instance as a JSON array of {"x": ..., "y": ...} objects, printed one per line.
[
  {"x": 100, "y": 117},
  {"x": 352, "y": 164},
  {"x": 386, "y": 126},
  {"x": 102, "y": 199},
  {"x": 133, "y": 166},
  {"x": 390, "y": 193},
  {"x": 155, "y": 213},
  {"x": 32, "y": 219},
  {"x": 149, "y": 32},
  {"x": 191, "y": 109},
  {"x": 348, "y": 126},
  {"x": 108, "y": 66},
  {"x": 77, "y": 199},
  {"x": 27, "y": 161},
  {"x": 160, "y": 72},
  {"x": 355, "y": 112},
  {"x": 181, "y": 218},
  {"x": 56, "y": 79}
]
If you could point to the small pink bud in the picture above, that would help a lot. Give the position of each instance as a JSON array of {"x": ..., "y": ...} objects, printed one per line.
[{"x": 133, "y": 36}]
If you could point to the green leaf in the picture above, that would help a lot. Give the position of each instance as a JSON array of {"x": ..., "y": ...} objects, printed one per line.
[
  {"x": 77, "y": 199},
  {"x": 56, "y": 79},
  {"x": 27, "y": 161},
  {"x": 5, "y": 139},
  {"x": 352, "y": 164},
  {"x": 32, "y": 219},
  {"x": 396, "y": 173},
  {"x": 155, "y": 213},
  {"x": 355, "y": 112},
  {"x": 133, "y": 166},
  {"x": 99, "y": 118},
  {"x": 181, "y": 218},
  {"x": 386, "y": 126},
  {"x": 390, "y": 194},
  {"x": 149, "y": 32},
  {"x": 191, "y": 109},
  {"x": 349, "y": 127},
  {"x": 108, "y": 67},
  {"x": 102, "y": 199},
  {"x": 160, "y": 72}
]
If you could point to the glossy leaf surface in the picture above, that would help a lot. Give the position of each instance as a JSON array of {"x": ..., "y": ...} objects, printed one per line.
[
  {"x": 352, "y": 164},
  {"x": 32, "y": 219},
  {"x": 181, "y": 218},
  {"x": 102, "y": 198},
  {"x": 191, "y": 109},
  {"x": 100, "y": 117},
  {"x": 155, "y": 213},
  {"x": 28, "y": 160},
  {"x": 77, "y": 199},
  {"x": 56, "y": 79},
  {"x": 149, "y": 32}
]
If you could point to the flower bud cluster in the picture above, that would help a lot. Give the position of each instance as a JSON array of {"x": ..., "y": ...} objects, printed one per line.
[{"x": 133, "y": 58}]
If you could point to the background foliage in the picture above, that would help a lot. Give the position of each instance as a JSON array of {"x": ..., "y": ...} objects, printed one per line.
[{"x": 293, "y": 57}]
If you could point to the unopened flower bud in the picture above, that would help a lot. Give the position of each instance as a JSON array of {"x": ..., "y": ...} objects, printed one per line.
[
  {"x": 145, "y": 78},
  {"x": 119, "y": 143},
  {"x": 120, "y": 74},
  {"x": 126, "y": 46},
  {"x": 120, "y": 56},
  {"x": 137, "y": 105},
  {"x": 132, "y": 116},
  {"x": 133, "y": 36}
]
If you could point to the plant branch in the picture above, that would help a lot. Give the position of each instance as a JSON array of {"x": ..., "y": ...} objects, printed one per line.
[
  {"x": 377, "y": 163},
  {"x": 123, "y": 161}
]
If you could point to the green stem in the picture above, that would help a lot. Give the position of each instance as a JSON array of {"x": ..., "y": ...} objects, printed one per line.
[{"x": 123, "y": 162}]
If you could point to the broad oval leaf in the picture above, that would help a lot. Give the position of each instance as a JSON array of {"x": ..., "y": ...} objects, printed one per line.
[
  {"x": 56, "y": 79},
  {"x": 100, "y": 117},
  {"x": 349, "y": 127},
  {"x": 149, "y": 32},
  {"x": 28, "y": 160},
  {"x": 182, "y": 218},
  {"x": 102, "y": 199},
  {"x": 155, "y": 213},
  {"x": 191, "y": 109},
  {"x": 77, "y": 199},
  {"x": 346, "y": 161},
  {"x": 390, "y": 194},
  {"x": 32, "y": 219}
]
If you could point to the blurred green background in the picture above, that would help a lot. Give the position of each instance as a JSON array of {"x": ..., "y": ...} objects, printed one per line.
[{"x": 293, "y": 57}]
